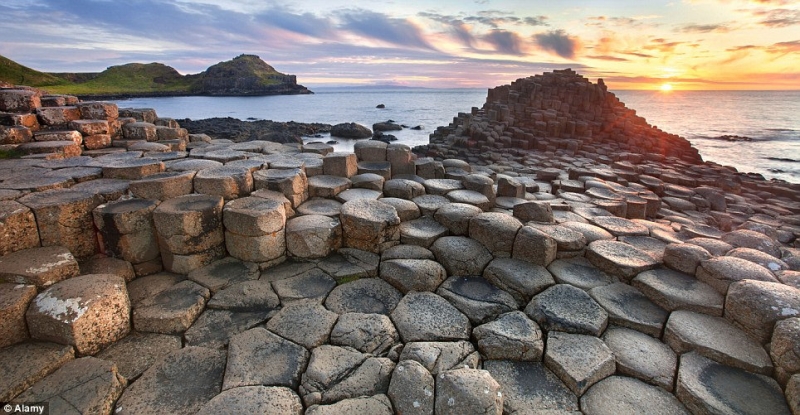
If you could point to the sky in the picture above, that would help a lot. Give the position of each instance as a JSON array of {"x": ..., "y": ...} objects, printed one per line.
[{"x": 640, "y": 44}]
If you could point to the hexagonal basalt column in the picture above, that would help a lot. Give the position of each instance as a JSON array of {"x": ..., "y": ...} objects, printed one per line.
[
  {"x": 17, "y": 227},
  {"x": 228, "y": 182},
  {"x": 340, "y": 164},
  {"x": 64, "y": 217},
  {"x": 88, "y": 312},
  {"x": 370, "y": 225},
  {"x": 313, "y": 236},
  {"x": 189, "y": 231},
  {"x": 127, "y": 230},
  {"x": 254, "y": 229},
  {"x": 293, "y": 183}
]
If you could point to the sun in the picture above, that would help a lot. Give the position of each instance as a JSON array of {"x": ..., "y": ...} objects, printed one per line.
[{"x": 666, "y": 87}]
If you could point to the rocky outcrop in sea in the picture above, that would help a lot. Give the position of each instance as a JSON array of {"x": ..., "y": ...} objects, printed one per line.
[{"x": 260, "y": 277}]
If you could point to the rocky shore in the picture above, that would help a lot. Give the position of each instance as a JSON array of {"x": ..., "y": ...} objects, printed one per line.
[{"x": 536, "y": 257}]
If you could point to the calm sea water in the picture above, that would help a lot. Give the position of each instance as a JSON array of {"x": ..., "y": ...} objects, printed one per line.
[{"x": 770, "y": 118}]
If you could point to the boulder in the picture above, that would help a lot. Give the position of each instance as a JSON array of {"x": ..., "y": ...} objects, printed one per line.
[
  {"x": 628, "y": 307},
  {"x": 535, "y": 246},
  {"x": 755, "y": 306},
  {"x": 673, "y": 290},
  {"x": 350, "y": 130},
  {"x": 721, "y": 272},
  {"x": 519, "y": 278},
  {"x": 784, "y": 349},
  {"x": 497, "y": 232},
  {"x": 412, "y": 274},
  {"x": 619, "y": 259}
]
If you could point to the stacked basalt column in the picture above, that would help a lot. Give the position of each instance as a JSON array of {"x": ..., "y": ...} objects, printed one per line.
[
  {"x": 255, "y": 230},
  {"x": 190, "y": 232},
  {"x": 127, "y": 231}
]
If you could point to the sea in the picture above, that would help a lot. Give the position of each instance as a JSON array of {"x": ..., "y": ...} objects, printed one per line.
[{"x": 766, "y": 122}]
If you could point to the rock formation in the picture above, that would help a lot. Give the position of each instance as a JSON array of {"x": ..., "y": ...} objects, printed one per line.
[
  {"x": 303, "y": 280},
  {"x": 246, "y": 75}
]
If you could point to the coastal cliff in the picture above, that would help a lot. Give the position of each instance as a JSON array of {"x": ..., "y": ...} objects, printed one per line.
[{"x": 245, "y": 75}]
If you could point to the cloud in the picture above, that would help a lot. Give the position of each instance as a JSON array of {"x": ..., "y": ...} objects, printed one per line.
[
  {"x": 784, "y": 47},
  {"x": 705, "y": 28},
  {"x": 608, "y": 58},
  {"x": 302, "y": 23},
  {"x": 558, "y": 42},
  {"x": 504, "y": 41},
  {"x": 778, "y": 17},
  {"x": 379, "y": 26}
]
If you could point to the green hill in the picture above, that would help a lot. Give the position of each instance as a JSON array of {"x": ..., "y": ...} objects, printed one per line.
[
  {"x": 243, "y": 75},
  {"x": 17, "y": 74}
]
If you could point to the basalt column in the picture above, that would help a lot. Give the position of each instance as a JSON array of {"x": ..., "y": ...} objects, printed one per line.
[{"x": 189, "y": 231}]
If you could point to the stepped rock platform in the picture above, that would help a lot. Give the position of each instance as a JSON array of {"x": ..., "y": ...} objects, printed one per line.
[{"x": 548, "y": 253}]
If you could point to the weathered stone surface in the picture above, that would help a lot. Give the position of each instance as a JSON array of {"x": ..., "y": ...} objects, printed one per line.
[
  {"x": 755, "y": 306},
  {"x": 132, "y": 168},
  {"x": 721, "y": 272},
  {"x": 17, "y": 227},
  {"x": 136, "y": 352},
  {"x": 366, "y": 295},
  {"x": 512, "y": 336},
  {"x": 716, "y": 339},
  {"x": 313, "y": 284},
  {"x": 267, "y": 400},
  {"x": 259, "y": 357},
  {"x": 461, "y": 256},
  {"x": 376, "y": 404},
  {"x": 421, "y": 232},
  {"x": 327, "y": 186},
  {"x": 530, "y": 388},
  {"x": 403, "y": 189},
  {"x": 456, "y": 217},
  {"x": 672, "y": 290},
  {"x": 438, "y": 357},
  {"x": 477, "y": 298},
  {"x": 163, "y": 186},
  {"x": 254, "y": 216},
  {"x": 368, "y": 333},
  {"x": 534, "y": 246},
  {"x": 578, "y": 360},
  {"x": 619, "y": 395},
  {"x": 429, "y": 317},
  {"x": 305, "y": 323},
  {"x": 181, "y": 383},
  {"x": 64, "y": 218},
  {"x": 745, "y": 238},
  {"x": 340, "y": 164},
  {"x": 521, "y": 279},
  {"x": 126, "y": 229},
  {"x": 172, "y": 310},
  {"x": 14, "y": 301},
  {"x": 785, "y": 349},
  {"x": 26, "y": 363},
  {"x": 319, "y": 206},
  {"x": 150, "y": 285},
  {"x": 470, "y": 197},
  {"x": 230, "y": 182},
  {"x": 707, "y": 387},
  {"x": 412, "y": 274},
  {"x": 685, "y": 257},
  {"x": 534, "y": 211},
  {"x": 496, "y": 231},
  {"x": 189, "y": 224},
  {"x": 441, "y": 187},
  {"x": 89, "y": 312},
  {"x": 86, "y": 385},
  {"x": 642, "y": 356},
  {"x": 335, "y": 373},
  {"x": 765, "y": 260},
  {"x": 566, "y": 239},
  {"x": 292, "y": 183},
  {"x": 628, "y": 307},
  {"x": 407, "y": 252},
  {"x": 619, "y": 259},
  {"x": 793, "y": 394},
  {"x": 370, "y": 225},
  {"x": 590, "y": 232},
  {"x": 223, "y": 273},
  {"x": 411, "y": 389},
  {"x": 566, "y": 308},
  {"x": 580, "y": 273},
  {"x": 246, "y": 296},
  {"x": 468, "y": 391},
  {"x": 214, "y": 328}
]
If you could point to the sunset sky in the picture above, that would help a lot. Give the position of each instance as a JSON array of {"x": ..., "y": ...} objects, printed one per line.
[{"x": 688, "y": 44}]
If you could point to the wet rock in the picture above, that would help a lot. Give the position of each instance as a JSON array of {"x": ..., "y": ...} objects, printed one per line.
[
  {"x": 707, "y": 387},
  {"x": 350, "y": 130},
  {"x": 566, "y": 308},
  {"x": 618, "y": 395},
  {"x": 214, "y": 328},
  {"x": 223, "y": 273},
  {"x": 429, "y": 317},
  {"x": 190, "y": 376},
  {"x": 258, "y": 357}
]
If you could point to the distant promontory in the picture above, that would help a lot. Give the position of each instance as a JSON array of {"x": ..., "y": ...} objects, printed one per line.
[{"x": 245, "y": 75}]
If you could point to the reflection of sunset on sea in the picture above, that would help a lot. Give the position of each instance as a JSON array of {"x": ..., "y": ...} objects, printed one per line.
[{"x": 630, "y": 44}]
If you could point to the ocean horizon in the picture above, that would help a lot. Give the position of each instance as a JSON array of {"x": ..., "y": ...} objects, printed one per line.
[{"x": 764, "y": 122}]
